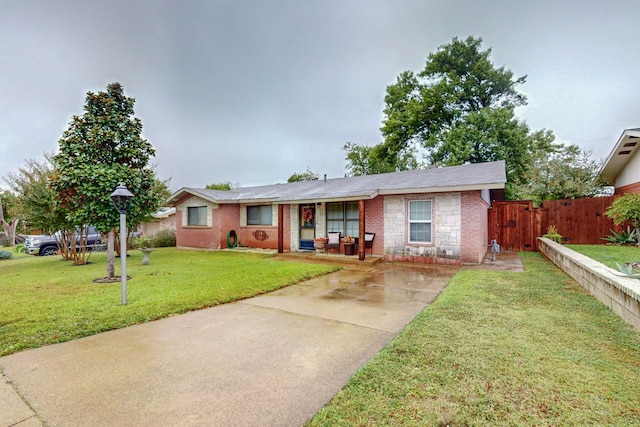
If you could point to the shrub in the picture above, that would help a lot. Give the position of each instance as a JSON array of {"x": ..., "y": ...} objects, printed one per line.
[
  {"x": 143, "y": 242},
  {"x": 625, "y": 208},
  {"x": 6, "y": 255},
  {"x": 19, "y": 247},
  {"x": 628, "y": 237},
  {"x": 552, "y": 234},
  {"x": 162, "y": 239},
  {"x": 165, "y": 238}
]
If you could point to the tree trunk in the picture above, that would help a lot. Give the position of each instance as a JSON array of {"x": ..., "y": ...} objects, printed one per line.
[
  {"x": 10, "y": 230},
  {"x": 9, "y": 227},
  {"x": 111, "y": 271}
]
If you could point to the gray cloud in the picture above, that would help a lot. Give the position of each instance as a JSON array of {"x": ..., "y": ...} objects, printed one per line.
[{"x": 250, "y": 92}]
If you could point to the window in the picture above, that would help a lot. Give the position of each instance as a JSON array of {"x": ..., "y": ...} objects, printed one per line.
[
  {"x": 343, "y": 217},
  {"x": 420, "y": 221},
  {"x": 259, "y": 215},
  {"x": 197, "y": 215}
]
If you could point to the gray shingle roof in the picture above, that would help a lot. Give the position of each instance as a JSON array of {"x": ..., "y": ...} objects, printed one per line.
[{"x": 490, "y": 175}]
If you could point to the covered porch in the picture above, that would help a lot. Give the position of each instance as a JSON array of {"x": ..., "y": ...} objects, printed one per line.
[{"x": 314, "y": 223}]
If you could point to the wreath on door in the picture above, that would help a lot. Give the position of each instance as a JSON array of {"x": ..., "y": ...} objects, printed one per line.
[{"x": 307, "y": 216}]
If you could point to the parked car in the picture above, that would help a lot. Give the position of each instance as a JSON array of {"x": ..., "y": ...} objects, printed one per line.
[{"x": 45, "y": 245}]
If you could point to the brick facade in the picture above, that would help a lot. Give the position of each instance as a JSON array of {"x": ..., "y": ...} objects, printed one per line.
[
  {"x": 475, "y": 225},
  {"x": 374, "y": 222},
  {"x": 446, "y": 229},
  {"x": 459, "y": 227},
  {"x": 631, "y": 188},
  {"x": 224, "y": 218}
]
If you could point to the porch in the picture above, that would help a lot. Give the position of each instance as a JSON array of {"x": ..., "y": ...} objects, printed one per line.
[{"x": 314, "y": 256}]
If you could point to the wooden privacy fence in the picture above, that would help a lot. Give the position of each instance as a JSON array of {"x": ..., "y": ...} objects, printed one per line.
[{"x": 517, "y": 224}]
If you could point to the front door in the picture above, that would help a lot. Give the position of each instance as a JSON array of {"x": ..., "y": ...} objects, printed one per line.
[{"x": 307, "y": 226}]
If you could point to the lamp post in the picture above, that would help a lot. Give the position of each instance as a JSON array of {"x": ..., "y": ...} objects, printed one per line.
[{"x": 121, "y": 198}]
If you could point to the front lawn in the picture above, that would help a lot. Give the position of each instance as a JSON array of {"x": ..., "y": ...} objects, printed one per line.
[
  {"x": 46, "y": 300},
  {"x": 501, "y": 349}
]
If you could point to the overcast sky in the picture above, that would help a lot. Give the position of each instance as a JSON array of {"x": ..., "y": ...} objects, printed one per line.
[{"x": 250, "y": 92}]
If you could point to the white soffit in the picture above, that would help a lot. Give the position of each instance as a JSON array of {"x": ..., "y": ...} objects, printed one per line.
[{"x": 626, "y": 147}]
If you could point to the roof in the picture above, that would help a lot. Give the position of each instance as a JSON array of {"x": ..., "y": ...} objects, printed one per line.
[
  {"x": 622, "y": 152},
  {"x": 164, "y": 212},
  {"x": 478, "y": 176}
]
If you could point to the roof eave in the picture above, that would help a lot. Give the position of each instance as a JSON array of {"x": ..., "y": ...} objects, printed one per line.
[
  {"x": 614, "y": 165},
  {"x": 184, "y": 191},
  {"x": 350, "y": 198},
  {"x": 445, "y": 189}
]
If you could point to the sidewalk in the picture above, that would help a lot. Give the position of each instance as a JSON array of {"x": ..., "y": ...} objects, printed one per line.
[{"x": 271, "y": 360}]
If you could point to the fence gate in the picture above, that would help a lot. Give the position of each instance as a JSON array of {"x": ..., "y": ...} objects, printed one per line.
[
  {"x": 512, "y": 225},
  {"x": 517, "y": 224}
]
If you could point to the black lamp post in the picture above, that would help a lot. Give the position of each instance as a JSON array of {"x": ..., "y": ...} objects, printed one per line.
[{"x": 122, "y": 201}]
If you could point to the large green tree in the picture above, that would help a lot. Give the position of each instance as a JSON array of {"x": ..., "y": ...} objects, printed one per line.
[
  {"x": 221, "y": 186},
  {"x": 565, "y": 173},
  {"x": 99, "y": 149},
  {"x": 34, "y": 195},
  {"x": 459, "y": 109},
  {"x": 307, "y": 175}
]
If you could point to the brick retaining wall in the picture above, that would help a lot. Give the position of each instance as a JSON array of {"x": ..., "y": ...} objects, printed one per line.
[{"x": 620, "y": 294}]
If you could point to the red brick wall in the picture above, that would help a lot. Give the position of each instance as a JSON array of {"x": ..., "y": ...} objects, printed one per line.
[
  {"x": 474, "y": 228},
  {"x": 631, "y": 188},
  {"x": 248, "y": 234},
  {"x": 194, "y": 237},
  {"x": 374, "y": 222},
  {"x": 225, "y": 219}
]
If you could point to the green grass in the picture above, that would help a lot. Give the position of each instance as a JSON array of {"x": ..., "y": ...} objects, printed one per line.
[
  {"x": 46, "y": 300},
  {"x": 609, "y": 254},
  {"x": 501, "y": 349}
]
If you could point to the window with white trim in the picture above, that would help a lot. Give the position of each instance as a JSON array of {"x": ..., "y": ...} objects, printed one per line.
[
  {"x": 343, "y": 217},
  {"x": 419, "y": 221},
  {"x": 260, "y": 215},
  {"x": 197, "y": 215}
]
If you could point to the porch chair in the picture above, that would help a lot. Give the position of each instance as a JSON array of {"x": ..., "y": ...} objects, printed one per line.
[
  {"x": 333, "y": 241},
  {"x": 368, "y": 241}
]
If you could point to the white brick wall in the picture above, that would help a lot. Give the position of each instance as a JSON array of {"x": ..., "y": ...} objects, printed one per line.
[
  {"x": 446, "y": 226},
  {"x": 620, "y": 294}
]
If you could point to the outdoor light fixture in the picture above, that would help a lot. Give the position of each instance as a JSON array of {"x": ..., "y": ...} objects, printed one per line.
[
  {"x": 121, "y": 198},
  {"x": 122, "y": 201}
]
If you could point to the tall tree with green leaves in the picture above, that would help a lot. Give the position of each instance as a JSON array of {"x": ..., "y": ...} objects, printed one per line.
[
  {"x": 100, "y": 149},
  {"x": 34, "y": 196},
  {"x": 459, "y": 109},
  {"x": 567, "y": 172},
  {"x": 221, "y": 186},
  {"x": 307, "y": 175}
]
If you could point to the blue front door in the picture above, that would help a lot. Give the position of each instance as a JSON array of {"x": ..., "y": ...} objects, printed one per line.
[{"x": 307, "y": 226}]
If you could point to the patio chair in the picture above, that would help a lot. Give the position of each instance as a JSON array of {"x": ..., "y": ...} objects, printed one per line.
[
  {"x": 333, "y": 241},
  {"x": 368, "y": 241}
]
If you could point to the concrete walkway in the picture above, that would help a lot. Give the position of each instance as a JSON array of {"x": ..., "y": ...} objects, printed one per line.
[{"x": 272, "y": 360}]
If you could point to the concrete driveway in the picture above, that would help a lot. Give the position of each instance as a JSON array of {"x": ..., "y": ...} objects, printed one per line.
[{"x": 272, "y": 360}]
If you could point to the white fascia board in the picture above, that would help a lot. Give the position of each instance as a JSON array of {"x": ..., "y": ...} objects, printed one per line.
[
  {"x": 350, "y": 198},
  {"x": 447, "y": 189},
  {"x": 186, "y": 191},
  {"x": 265, "y": 201},
  {"x": 612, "y": 167}
]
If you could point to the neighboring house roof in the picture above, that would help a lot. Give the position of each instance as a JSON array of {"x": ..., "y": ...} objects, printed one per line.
[
  {"x": 478, "y": 176},
  {"x": 624, "y": 150},
  {"x": 164, "y": 212}
]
